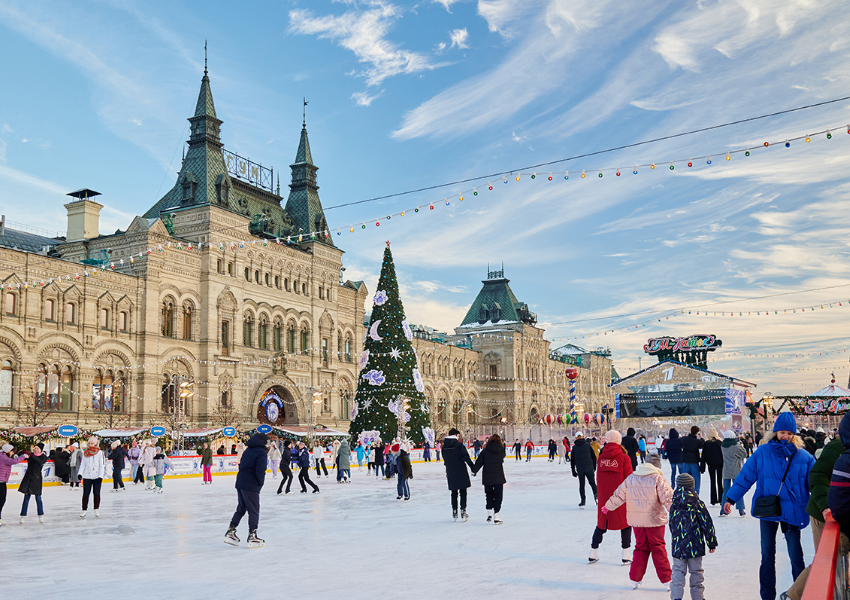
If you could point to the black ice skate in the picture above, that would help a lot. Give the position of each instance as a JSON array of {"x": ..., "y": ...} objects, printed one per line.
[
  {"x": 454, "y": 515},
  {"x": 254, "y": 541},
  {"x": 230, "y": 537},
  {"x": 464, "y": 515}
]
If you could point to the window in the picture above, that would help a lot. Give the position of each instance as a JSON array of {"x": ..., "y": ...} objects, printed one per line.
[
  {"x": 187, "y": 322},
  {"x": 321, "y": 293},
  {"x": 304, "y": 341},
  {"x": 248, "y": 331},
  {"x": 325, "y": 350},
  {"x": 494, "y": 371},
  {"x": 225, "y": 399},
  {"x": 122, "y": 320},
  {"x": 263, "y": 331},
  {"x": 290, "y": 342},
  {"x": 101, "y": 391},
  {"x": 66, "y": 392},
  {"x": 11, "y": 304},
  {"x": 7, "y": 380},
  {"x": 286, "y": 284},
  {"x": 225, "y": 338},
  {"x": 329, "y": 294},
  {"x": 169, "y": 394},
  {"x": 219, "y": 266},
  {"x": 168, "y": 320},
  {"x": 326, "y": 402},
  {"x": 230, "y": 269},
  {"x": 266, "y": 277},
  {"x": 277, "y": 336},
  {"x": 104, "y": 318},
  {"x": 247, "y": 274},
  {"x": 344, "y": 399},
  {"x": 70, "y": 313},
  {"x": 304, "y": 288},
  {"x": 347, "y": 349},
  {"x": 277, "y": 281},
  {"x": 256, "y": 277},
  {"x": 49, "y": 310}
]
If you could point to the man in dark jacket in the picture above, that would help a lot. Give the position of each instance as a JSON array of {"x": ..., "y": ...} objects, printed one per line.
[
  {"x": 303, "y": 456},
  {"x": 456, "y": 459},
  {"x": 249, "y": 482},
  {"x": 61, "y": 464},
  {"x": 818, "y": 508},
  {"x": 285, "y": 470},
  {"x": 691, "y": 458},
  {"x": 673, "y": 447},
  {"x": 583, "y": 462},
  {"x": 632, "y": 447},
  {"x": 518, "y": 450},
  {"x": 476, "y": 445},
  {"x": 712, "y": 458}
]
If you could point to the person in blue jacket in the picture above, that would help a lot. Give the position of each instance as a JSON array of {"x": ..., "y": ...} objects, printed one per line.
[
  {"x": 249, "y": 482},
  {"x": 303, "y": 455},
  {"x": 765, "y": 469},
  {"x": 673, "y": 447}
]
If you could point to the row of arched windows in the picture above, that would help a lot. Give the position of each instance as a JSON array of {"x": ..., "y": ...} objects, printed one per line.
[
  {"x": 56, "y": 389},
  {"x": 55, "y": 312}
]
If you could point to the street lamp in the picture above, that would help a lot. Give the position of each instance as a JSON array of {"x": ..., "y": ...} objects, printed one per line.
[{"x": 317, "y": 399}]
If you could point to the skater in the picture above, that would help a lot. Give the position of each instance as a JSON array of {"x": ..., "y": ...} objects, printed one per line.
[
  {"x": 249, "y": 482},
  {"x": 567, "y": 449},
  {"x": 117, "y": 456},
  {"x": 343, "y": 468},
  {"x": 319, "y": 457},
  {"x": 426, "y": 451},
  {"x": 161, "y": 463},
  {"x": 285, "y": 470},
  {"x": 370, "y": 458},
  {"x": 240, "y": 448},
  {"x": 274, "y": 459},
  {"x": 74, "y": 463},
  {"x": 61, "y": 466},
  {"x": 404, "y": 470},
  {"x": 133, "y": 454},
  {"x": 691, "y": 447},
  {"x": 304, "y": 472},
  {"x": 778, "y": 468},
  {"x": 632, "y": 447},
  {"x": 642, "y": 448},
  {"x": 529, "y": 448},
  {"x": 491, "y": 462},
  {"x": 207, "y": 463},
  {"x": 379, "y": 458},
  {"x": 596, "y": 447},
  {"x": 583, "y": 463},
  {"x": 92, "y": 470},
  {"x": 818, "y": 506},
  {"x": 712, "y": 458},
  {"x": 552, "y": 449},
  {"x": 456, "y": 458},
  {"x": 32, "y": 480},
  {"x": 476, "y": 447},
  {"x": 335, "y": 457},
  {"x": 691, "y": 529},
  {"x": 7, "y": 461},
  {"x": 613, "y": 468},
  {"x": 734, "y": 455},
  {"x": 647, "y": 496},
  {"x": 561, "y": 450},
  {"x": 361, "y": 454},
  {"x": 439, "y": 449},
  {"x": 148, "y": 452}
]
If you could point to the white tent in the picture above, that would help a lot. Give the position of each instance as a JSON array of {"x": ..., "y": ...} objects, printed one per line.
[{"x": 119, "y": 432}]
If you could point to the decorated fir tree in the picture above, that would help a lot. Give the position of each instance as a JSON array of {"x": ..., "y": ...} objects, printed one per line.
[{"x": 390, "y": 387}]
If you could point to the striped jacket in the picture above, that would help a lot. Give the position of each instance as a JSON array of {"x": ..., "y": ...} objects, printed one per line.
[{"x": 838, "y": 496}]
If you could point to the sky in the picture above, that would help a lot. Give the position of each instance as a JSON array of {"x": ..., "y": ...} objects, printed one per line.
[{"x": 404, "y": 96}]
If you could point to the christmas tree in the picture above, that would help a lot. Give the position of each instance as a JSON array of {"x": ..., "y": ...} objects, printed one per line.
[{"x": 390, "y": 387}]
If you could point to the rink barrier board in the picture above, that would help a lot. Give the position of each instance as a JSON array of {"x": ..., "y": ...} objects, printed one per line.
[{"x": 190, "y": 466}]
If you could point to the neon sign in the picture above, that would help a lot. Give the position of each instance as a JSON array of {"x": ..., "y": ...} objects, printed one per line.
[{"x": 691, "y": 343}]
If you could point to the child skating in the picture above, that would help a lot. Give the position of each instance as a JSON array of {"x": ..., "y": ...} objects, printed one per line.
[{"x": 691, "y": 528}]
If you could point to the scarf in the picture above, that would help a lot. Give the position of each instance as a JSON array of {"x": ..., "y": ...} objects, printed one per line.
[{"x": 91, "y": 451}]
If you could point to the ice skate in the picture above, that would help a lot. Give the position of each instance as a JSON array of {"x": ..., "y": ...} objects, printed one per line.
[
  {"x": 489, "y": 514},
  {"x": 114, "y": 490},
  {"x": 667, "y": 585},
  {"x": 636, "y": 585},
  {"x": 497, "y": 520},
  {"x": 287, "y": 493},
  {"x": 594, "y": 556},
  {"x": 398, "y": 498},
  {"x": 83, "y": 515},
  {"x": 41, "y": 519},
  {"x": 230, "y": 537},
  {"x": 2, "y": 522},
  {"x": 254, "y": 541},
  {"x": 464, "y": 515},
  {"x": 454, "y": 515},
  {"x": 158, "y": 490},
  {"x": 316, "y": 491},
  {"x": 407, "y": 498},
  {"x": 581, "y": 505},
  {"x": 627, "y": 556},
  {"x": 96, "y": 513},
  {"x": 23, "y": 520}
]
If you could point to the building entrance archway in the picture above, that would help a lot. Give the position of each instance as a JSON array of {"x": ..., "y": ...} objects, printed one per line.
[{"x": 277, "y": 407}]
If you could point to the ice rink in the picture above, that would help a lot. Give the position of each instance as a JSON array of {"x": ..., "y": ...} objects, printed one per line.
[{"x": 350, "y": 541}]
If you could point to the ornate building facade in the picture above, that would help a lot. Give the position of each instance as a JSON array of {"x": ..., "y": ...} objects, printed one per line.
[{"x": 219, "y": 306}]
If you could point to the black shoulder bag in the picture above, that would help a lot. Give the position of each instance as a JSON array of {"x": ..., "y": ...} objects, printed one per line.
[{"x": 769, "y": 506}]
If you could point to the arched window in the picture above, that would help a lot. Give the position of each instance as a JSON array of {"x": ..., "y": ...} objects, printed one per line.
[
  {"x": 248, "y": 330},
  {"x": 256, "y": 277},
  {"x": 187, "y": 322},
  {"x": 266, "y": 277},
  {"x": 7, "y": 383},
  {"x": 123, "y": 320},
  {"x": 50, "y": 310},
  {"x": 247, "y": 274},
  {"x": 66, "y": 392},
  {"x": 278, "y": 335},
  {"x": 305, "y": 340},
  {"x": 101, "y": 391},
  {"x": 290, "y": 339},
  {"x": 277, "y": 281},
  {"x": 104, "y": 318},
  {"x": 168, "y": 319},
  {"x": 169, "y": 394},
  {"x": 70, "y": 313},
  {"x": 11, "y": 303},
  {"x": 347, "y": 349},
  {"x": 263, "y": 331},
  {"x": 345, "y": 403}
]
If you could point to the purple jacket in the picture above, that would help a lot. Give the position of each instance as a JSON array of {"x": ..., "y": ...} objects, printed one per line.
[{"x": 6, "y": 464}]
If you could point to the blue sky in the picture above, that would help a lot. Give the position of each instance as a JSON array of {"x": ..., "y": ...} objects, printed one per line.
[{"x": 405, "y": 95}]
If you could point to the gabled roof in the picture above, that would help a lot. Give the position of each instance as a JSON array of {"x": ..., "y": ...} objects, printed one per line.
[
  {"x": 496, "y": 293},
  {"x": 28, "y": 242},
  {"x": 668, "y": 363}
]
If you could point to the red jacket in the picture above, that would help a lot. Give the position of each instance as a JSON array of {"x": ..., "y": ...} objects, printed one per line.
[
  {"x": 612, "y": 468},
  {"x": 529, "y": 445}
]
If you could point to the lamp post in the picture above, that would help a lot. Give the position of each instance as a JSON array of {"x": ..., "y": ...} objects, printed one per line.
[
  {"x": 317, "y": 399},
  {"x": 767, "y": 403}
]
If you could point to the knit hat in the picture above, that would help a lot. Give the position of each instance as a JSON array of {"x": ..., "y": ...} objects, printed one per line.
[
  {"x": 395, "y": 447},
  {"x": 76, "y": 444},
  {"x": 685, "y": 480},
  {"x": 40, "y": 445},
  {"x": 579, "y": 434},
  {"x": 729, "y": 434},
  {"x": 654, "y": 460},
  {"x": 785, "y": 422},
  {"x": 613, "y": 437},
  {"x": 7, "y": 447}
]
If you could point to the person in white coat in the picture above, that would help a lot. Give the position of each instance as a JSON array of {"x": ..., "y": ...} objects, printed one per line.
[
  {"x": 92, "y": 470},
  {"x": 146, "y": 461},
  {"x": 274, "y": 458},
  {"x": 74, "y": 462},
  {"x": 319, "y": 457}
]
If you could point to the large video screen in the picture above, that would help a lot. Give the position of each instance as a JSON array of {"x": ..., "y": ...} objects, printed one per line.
[{"x": 673, "y": 404}]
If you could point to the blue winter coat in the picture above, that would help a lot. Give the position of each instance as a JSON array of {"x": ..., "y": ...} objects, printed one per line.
[
  {"x": 673, "y": 447},
  {"x": 253, "y": 464},
  {"x": 765, "y": 468},
  {"x": 303, "y": 457}
]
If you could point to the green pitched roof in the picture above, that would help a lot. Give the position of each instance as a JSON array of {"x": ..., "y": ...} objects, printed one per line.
[
  {"x": 303, "y": 155},
  {"x": 496, "y": 294},
  {"x": 303, "y": 204},
  {"x": 205, "y": 106}
]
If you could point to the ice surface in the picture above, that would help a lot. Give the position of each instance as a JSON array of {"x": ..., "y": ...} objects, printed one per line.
[{"x": 350, "y": 541}]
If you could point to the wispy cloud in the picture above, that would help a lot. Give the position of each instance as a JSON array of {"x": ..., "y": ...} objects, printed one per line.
[
  {"x": 365, "y": 99},
  {"x": 447, "y": 4},
  {"x": 459, "y": 38}
]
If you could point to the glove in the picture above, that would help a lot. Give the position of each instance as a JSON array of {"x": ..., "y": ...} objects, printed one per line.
[{"x": 604, "y": 510}]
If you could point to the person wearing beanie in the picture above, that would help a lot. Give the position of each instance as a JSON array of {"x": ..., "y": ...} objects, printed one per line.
[
  {"x": 161, "y": 463},
  {"x": 32, "y": 480},
  {"x": 712, "y": 459},
  {"x": 302, "y": 455},
  {"x": 691, "y": 447},
  {"x": 74, "y": 462},
  {"x": 92, "y": 470},
  {"x": 778, "y": 454},
  {"x": 673, "y": 448},
  {"x": 691, "y": 529},
  {"x": 647, "y": 496},
  {"x": 456, "y": 460},
  {"x": 632, "y": 447},
  {"x": 613, "y": 467},
  {"x": 404, "y": 470},
  {"x": 491, "y": 463},
  {"x": 517, "y": 447},
  {"x": 583, "y": 463},
  {"x": 286, "y": 464},
  {"x": 249, "y": 482},
  {"x": 734, "y": 455},
  {"x": 117, "y": 454},
  {"x": 7, "y": 461}
]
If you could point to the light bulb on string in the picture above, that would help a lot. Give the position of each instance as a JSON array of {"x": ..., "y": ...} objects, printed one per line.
[
  {"x": 747, "y": 153},
  {"x": 582, "y": 174},
  {"x": 708, "y": 162},
  {"x": 600, "y": 172},
  {"x": 828, "y": 135},
  {"x": 517, "y": 177},
  {"x": 474, "y": 191},
  {"x": 808, "y": 139},
  {"x": 652, "y": 166},
  {"x": 550, "y": 176},
  {"x": 635, "y": 171},
  {"x": 766, "y": 144},
  {"x": 618, "y": 172},
  {"x": 504, "y": 180},
  {"x": 728, "y": 156},
  {"x": 566, "y": 175},
  {"x": 690, "y": 163},
  {"x": 490, "y": 186},
  {"x": 671, "y": 166},
  {"x": 534, "y": 175},
  {"x": 787, "y": 144}
]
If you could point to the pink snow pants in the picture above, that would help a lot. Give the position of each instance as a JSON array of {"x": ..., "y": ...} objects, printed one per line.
[
  {"x": 208, "y": 473},
  {"x": 650, "y": 540}
]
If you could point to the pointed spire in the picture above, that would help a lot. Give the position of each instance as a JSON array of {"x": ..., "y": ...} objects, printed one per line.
[
  {"x": 303, "y": 155},
  {"x": 205, "y": 106}
]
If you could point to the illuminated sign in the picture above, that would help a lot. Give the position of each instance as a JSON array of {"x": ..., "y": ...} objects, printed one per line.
[{"x": 672, "y": 345}]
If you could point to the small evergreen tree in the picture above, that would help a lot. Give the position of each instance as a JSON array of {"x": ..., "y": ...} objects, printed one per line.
[{"x": 389, "y": 383}]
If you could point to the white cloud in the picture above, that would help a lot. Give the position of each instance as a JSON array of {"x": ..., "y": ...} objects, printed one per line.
[
  {"x": 499, "y": 13},
  {"x": 447, "y": 4},
  {"x": 459, "y": 38},
  {"x": 364, "y": 32},
  {"x": 364, "y": 99}
]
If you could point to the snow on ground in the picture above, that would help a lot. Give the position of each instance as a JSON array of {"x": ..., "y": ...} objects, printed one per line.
[{"x": 353, "y": 541}]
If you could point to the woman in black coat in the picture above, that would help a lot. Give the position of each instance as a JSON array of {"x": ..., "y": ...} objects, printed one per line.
[
  {"x": 117, "y": 456},
  {"x": 491, "y": 461},
  {"x": 61, "y": 464},
  {"x": 456, "y": 459},
  {"x": 712, "y": 457},
  {"x": 31, "y": 482}
]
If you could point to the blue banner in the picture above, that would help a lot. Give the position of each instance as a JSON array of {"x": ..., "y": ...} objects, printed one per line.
[
  {"x": 67, "y": 430},
  {"x": 229, "y": 431},
  {"x": 157, "y": 431},
  {"x": 264, "y": 428}
]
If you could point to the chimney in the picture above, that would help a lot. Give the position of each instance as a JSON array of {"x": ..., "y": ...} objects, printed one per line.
[{"x": 83, "y": 216}]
